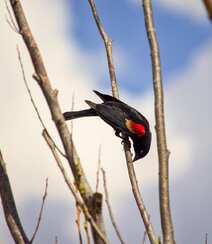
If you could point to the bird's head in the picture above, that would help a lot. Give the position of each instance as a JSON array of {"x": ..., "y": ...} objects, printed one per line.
[{"x": 141, "y": 145}]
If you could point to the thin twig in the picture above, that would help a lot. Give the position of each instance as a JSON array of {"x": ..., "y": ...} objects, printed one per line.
[
  {"x": 208, "y": 7},
  {"x": 98, "y": 169},
  {"x": 144, "y": 237},
  {"x": 128, "y": 156},
  {"x": 108, "y": 47},
  {"x": 206, "y": 238},
  {"x": 10, "y": 20},
  {"x": 56, "y": 240},
  {"x": 71, "y": 187},
  {"x": 41, "y": 212},
  {"x": 110, "y": 208},
  {"x": 163, "y": 153},
  {"x": 88, "y": 239},
  {"x": 10, "y": 211},
  {"x": 78, "y": 223},
  {"x": 72, "y": 121},
  {"x": 32, "y": 99}
]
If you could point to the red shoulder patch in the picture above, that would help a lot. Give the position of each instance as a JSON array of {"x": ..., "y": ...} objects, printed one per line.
[{"x": 136, "y": 128}]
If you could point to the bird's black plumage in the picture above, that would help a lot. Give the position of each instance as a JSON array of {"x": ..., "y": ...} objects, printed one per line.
[{"x": 118, "y": 114}]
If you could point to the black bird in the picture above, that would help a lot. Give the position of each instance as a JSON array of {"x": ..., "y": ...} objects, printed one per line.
[{"x": 123, "y": 118}]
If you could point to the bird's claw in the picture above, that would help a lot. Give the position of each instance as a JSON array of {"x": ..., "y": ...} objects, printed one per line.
[{"x": 126, "y": 141}]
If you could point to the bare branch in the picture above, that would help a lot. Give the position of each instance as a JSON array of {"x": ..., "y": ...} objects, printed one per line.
[
  {"x": 206, "y": 238},
  {"x": 208, "y": 7},
  {"x": 28, "y": 89},
  {"x": 163, "y": 153},
  {"x": 110, "y": 208},
  {"x": 137, "y": 195},
  {"x": 9, "y": 206},
  {"x": 41, "y": 212},
  {"x": 108, "y": 47},
  {"x": 31, "y": 98},
  {"x": 78, "y": 223},
  {"x": 138, "y": 198},
  {"x": 71, "y": 187},
  {"x": 88, "y": 241},
  {"x": 51, "y": 96},
  {"x": 98, "y": 169},
  {"x": 10, "y": 20}
]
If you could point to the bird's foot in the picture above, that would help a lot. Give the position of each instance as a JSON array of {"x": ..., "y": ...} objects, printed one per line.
[{"x": 126, "y": 141}]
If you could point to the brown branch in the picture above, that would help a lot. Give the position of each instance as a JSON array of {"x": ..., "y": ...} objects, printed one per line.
[
  {"x": 208, "y": 7},
  {"x": 71, "y": 187},
  {"x": 98, "y": 169},
  {"x": 9, "y": 207},
  {"x": 40, "y": 213},
  {"x": 88, "y": 241},
  {"x": 10, "y": 20},
  {"x": 108, "y": 47},
  {"x": 163, "y": 153},
  {"x": 50, "y": 95},
  {"x": 32, "y": 99},
  {"x": 78, "y": 223},
  {"x": 138, "y": 198},
  {"x": 110, "y": 208},
  {"x": 128, "y": 156}
]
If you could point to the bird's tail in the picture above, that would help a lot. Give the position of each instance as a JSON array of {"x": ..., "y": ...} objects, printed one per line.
[{"x": 79, "y": 114}]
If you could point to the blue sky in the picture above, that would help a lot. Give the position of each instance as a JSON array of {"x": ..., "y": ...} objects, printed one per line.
[{"x": 178, "y": 34}]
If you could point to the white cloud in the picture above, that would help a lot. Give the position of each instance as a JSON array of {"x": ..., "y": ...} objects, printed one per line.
[
  {"x": 193, "y": 8},
  {"x": 29, "y": 161}
]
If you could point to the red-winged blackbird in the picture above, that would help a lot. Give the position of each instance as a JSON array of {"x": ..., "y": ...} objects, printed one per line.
[{"x": 123, "y": 118}]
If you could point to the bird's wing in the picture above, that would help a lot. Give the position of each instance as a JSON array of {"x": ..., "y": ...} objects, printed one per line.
[
  {"x": 107, "y": 98},
  {"x": 113, "y": 115}
]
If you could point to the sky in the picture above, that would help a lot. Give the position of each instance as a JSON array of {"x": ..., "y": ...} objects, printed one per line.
[{"x": 75, "y": 59}]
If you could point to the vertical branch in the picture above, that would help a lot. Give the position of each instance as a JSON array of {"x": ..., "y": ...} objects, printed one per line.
[
  {"x": 114, "y": 86},
  {"x": 108, "y": 47},
  {"x": 85, "y": 225},
  {"x": 98, "y": 169},
  {"x": 208, "y": 7},
  {"x": 163, "y": 153},
  {"x": 206, "y": 238},
  {"x": 9, "y": 207}
]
